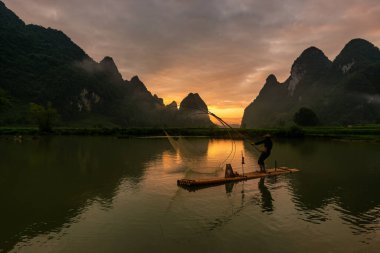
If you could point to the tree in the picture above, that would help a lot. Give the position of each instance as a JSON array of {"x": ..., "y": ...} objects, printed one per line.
[
  {"x": 305, "y": 117},
  {"x": 45, "y": 117}
]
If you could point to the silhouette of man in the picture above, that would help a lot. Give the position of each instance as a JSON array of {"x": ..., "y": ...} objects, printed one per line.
[{"x": 268, "y": 144}]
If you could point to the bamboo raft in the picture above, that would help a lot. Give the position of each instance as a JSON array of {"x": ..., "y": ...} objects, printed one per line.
[{"x": 207, "y": 182}]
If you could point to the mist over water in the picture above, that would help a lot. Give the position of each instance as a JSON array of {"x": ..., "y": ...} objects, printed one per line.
[{"x": 103, "y": 194}]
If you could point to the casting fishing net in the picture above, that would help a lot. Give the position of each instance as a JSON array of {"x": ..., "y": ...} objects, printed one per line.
[
  {"x": 193, "y": 154},
  {"x": 190, "y": 154}
]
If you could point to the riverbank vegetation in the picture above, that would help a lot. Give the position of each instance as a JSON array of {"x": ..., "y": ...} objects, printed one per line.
[{"x": 356, "y": 132}]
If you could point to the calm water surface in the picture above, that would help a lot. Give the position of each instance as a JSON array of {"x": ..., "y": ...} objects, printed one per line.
[{"x": 103, "y": 194}]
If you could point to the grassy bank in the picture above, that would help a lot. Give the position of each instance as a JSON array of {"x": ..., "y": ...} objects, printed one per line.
[
  {"x": 356, "y": 132},
  {"x": 363, "y": 132}
]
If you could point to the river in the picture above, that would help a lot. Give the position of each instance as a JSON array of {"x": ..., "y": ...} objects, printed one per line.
[{"x": 104, "y": 194}]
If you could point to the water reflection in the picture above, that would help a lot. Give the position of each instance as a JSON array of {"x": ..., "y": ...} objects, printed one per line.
[
  {"x": 193, "y": 154},
  {"x": 361, "y": 223},
  {"x": 342, "y": 176},
  {"x": 337, "y": 174},
  {"x": 266, "y": 196},
  {"x": 243, "y": 203},
  {"x": 261, "y": 198},
  {"x": 229, "y": 188},
  {"x": 46, "y": 183}
]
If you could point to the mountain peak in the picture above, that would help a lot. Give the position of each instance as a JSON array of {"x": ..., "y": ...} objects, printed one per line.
[
  {"x": 135, "y": 79},
  {"x": 137, "y": 83},
  {"x": 311, "y": 57},
  {"x": 194, "y": 95},
  {"x": 270, "y": 83},
  {"x": 108, "y": 65},
  {"x": 358, "y": 43},
  {"x": 193, "y": 102},
  {"x": 271, "y": 86},
  {"x": 312, "y": 63},
  {"x": 107, "y": 60},
  {"x": 8, "y": 19},
  {"x": 356, "y": 54},
  {"x": 173, "y": 106},
  {"x": 312, "y": 50},
  {"x": 271, "y": 79},
  {"x": 194, "y": 110}
]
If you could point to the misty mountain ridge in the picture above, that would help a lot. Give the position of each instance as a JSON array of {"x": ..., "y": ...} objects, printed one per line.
[
  {"x": 43, "y": 65},
  {"x": 343, "y": 91}
]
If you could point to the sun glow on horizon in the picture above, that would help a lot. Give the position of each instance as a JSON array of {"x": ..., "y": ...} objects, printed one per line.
[{"x": 232, "y": 115}]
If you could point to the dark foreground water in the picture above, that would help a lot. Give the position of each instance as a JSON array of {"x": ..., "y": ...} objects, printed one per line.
[{"x": 97, "y": 194}]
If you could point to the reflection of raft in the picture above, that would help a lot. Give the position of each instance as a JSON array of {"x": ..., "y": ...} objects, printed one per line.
[{"x": 205, "y": 182}]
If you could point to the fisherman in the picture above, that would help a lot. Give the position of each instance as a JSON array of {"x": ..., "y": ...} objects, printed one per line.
[{"x": 266, "y": 152}]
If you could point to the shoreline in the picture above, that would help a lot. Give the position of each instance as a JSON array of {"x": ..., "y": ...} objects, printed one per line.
[{"x": 354, "y": 133}]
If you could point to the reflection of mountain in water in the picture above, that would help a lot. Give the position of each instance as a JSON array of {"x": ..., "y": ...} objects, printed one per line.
[
  {"x": 191, "y": 148},
  {"x": 342, "y": 174},
  {"x": 193, "y": 153},
  {"x": 45, "y": 183}
]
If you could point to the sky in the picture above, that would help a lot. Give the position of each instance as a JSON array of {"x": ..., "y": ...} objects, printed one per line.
[{"x": 221, "y": 49}]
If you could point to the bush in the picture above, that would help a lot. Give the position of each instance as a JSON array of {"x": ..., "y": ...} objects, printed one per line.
[
  {"x": 305, "y": 117},
  {"x": 45, "y": 117}
]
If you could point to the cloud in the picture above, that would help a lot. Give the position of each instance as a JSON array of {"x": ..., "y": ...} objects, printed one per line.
[{"x": 222, "y": 49}]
